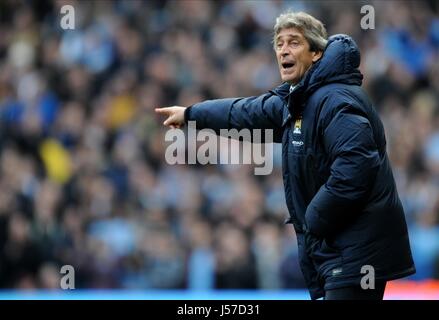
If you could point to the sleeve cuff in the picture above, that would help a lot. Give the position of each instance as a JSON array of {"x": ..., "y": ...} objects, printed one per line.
[{"x": 187, "y": 114}]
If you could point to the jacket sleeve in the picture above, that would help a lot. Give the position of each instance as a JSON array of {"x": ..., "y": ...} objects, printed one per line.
[
  {"x": 262, "y": 112},
  {"x": 348, "y": 140}
]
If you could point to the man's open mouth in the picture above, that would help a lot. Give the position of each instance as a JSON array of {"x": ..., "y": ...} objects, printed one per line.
[{"x": 287, "y": 65}]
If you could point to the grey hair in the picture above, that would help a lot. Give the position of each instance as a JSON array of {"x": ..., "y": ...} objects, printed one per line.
[{"x": 313, "y": 30}]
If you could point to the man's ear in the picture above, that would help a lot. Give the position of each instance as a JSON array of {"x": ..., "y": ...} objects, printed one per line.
[{"x": 316, "y": 56}]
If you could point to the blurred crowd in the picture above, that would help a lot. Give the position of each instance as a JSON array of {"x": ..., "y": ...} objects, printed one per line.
[{"x": 83, "y": 176}]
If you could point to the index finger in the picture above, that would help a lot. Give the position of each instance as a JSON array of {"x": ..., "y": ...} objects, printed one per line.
[{"x": 164, "y": 110}]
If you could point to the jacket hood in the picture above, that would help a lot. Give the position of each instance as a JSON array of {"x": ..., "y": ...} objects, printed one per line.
[{"x": 339, "y": 63}]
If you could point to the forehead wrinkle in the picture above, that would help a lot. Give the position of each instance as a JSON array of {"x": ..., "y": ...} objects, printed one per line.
[{"x": 295, "y": 36}]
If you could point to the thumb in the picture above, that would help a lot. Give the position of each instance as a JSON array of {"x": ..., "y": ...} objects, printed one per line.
[{"x": 169, "y": 120}]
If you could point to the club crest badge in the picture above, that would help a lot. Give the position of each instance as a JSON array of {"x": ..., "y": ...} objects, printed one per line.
[{"x": 298, "y": 126}]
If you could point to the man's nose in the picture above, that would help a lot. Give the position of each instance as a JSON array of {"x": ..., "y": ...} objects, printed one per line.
[{"x": 284, "y": 50}]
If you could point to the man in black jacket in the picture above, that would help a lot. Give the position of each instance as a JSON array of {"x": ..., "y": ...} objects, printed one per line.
[{"x": 339, "y": 186}]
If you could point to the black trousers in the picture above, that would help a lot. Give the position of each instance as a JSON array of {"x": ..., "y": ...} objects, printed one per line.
[{"x": 357, "y": 293}]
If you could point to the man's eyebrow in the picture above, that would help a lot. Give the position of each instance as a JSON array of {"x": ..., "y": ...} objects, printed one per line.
[{"x": 295, "y": 36}]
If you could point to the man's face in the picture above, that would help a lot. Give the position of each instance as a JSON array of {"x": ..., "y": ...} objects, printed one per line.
[{"x": 293, "y": 55}]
